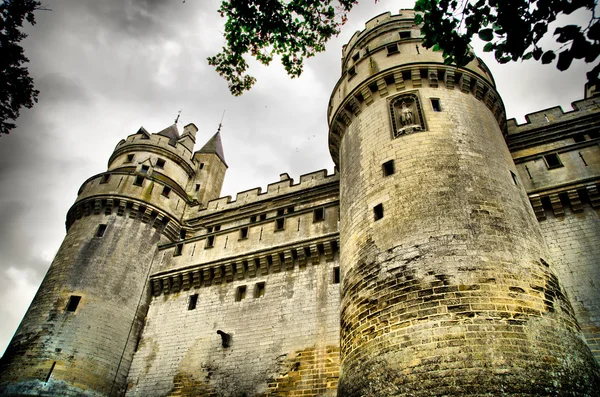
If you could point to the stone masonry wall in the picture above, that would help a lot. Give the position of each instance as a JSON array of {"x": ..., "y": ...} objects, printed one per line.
[
  {"x": 451, "y": 292},
  {"x": 574, "y": 242},
  {"x": 285, "y": 342},
  {"x": 85, "y": 352}
]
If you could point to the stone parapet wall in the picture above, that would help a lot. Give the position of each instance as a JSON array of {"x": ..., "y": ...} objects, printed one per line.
[{"x": 255, "y": 195}]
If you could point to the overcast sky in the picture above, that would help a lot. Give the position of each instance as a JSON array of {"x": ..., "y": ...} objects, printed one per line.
[{"x": 105, "y": 68}]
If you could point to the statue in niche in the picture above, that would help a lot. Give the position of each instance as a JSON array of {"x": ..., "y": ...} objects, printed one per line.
[{"x": 406, "y": 116}]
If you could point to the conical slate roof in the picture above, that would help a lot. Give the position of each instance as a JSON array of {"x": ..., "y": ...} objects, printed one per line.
[
  {"x": 172, "y": 133},
  {"x": 215, "y": 146}
]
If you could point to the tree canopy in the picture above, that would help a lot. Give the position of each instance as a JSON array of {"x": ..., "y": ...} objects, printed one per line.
[
  {"x": 16, "y": 86},
  {"x": 298, "y": 29},
  {"x": 512, "y": 29}
]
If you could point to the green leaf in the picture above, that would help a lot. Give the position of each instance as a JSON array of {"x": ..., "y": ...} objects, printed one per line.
[
  {"x": 489, "y": 47},
  {"x": 418, "y": 19},
  {"x": 527, "y": 56},
  {"x": 486, "y": 34}
]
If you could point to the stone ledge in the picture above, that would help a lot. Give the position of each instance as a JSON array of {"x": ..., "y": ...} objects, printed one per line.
[{"x": 245, "y": 266}]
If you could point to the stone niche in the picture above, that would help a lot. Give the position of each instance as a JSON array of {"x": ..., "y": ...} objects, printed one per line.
[{"x": 406, "y": 115}]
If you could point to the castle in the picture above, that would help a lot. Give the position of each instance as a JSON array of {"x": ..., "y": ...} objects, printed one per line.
[{"x": 453, "y": 253}]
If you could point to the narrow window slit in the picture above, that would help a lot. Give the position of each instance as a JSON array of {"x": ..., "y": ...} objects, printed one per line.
[
  {"x": 259, "y": 290},
  {"x": 388, "y": 168},
  {"x": 336, "y": 275},
  {"x": 193, "y": 301},
  {"x": 178, "y": 249},
  {"x": 318, "y": 214},
  {"x": 378, "y": 211},
  {"x": 240, "y": 293},
  {"x": 73, "y": 303},
  {"x": 101, "y": 230}
]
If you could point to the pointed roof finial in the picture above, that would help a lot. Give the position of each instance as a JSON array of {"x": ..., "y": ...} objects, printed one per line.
[
  {"x": 178, "y": 114},
  {"x": 221, "y": 123}
]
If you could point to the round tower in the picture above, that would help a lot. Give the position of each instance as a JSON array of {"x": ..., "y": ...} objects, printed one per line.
[
  {"x": 80, "y": 332},
  {"x": 447, "y": 285}
]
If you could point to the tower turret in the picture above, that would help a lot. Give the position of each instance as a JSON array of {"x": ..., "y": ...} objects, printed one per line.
[
  {"x": 210, "y": 168},
  {"x": 80, "y": 332},
  {"x": 447, "y": 285}
]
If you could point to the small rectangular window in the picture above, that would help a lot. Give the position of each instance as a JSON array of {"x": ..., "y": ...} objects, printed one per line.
[
  {"x": 290, "y": 210},
  {"x": 197, "y": 186},
  {"x": 139, "y": 181},
  {"x": 594, "y": 134},
  {"x": 182, "y": 234},
  {"x": 279, "y": 224},
  {"x": 73, "y": 303},
  {"x": 388, "y": 168},
  {"x": 105, "y": 178},
  {"x": 201, "y": 165},
  {"x": 392, "y": 49},
  {"x": 160, "y": 163},
  {"x": 259, "y": 290},
  {"x": 166, "y": 191},
  {"x": 209, "y": 229},
  {"x": 101, "y": 230},
  {"x": 378, "y": 211},
  {"x": 243, "y": 233},
  {"x": 210, "y": 242},
  {"x": 193, "y": 301},
  {"x": 240, "y": 293},
  {"x": 280, "y": 212},
  {"x": 263, "y": 217},
  {"x": 217, "y": 228},
  {"x": 178, "y": 249},
  {"x": 579, "y": 138},
  {"x": 435, "y": 105},
  {"x": 253, "y": 219},
  {"x": 129, "y": 158},
  {"x": 318, "y": 214},
  {"x": 145, "y": 169},
  {"x": 553, "y": 161},
  {"x": 356, "y": 56},
  {"x": 351, "y": 72},
  {"x": 405, "y": 34},
  {"x": 336, "y": 275}
]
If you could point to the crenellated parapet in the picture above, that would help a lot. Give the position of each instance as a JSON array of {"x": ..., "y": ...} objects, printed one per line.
[
  {"x": 277, "y": 189},
  {"x": 554, "y": 117},
  {"x": 249, "y": 265},
  {"x": 171, "y": 147}
]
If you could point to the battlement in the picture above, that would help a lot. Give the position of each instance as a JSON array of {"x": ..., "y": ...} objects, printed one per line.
[
  {"x": 407, "y": 15},
  {"x": 177, "y": 147},
  {"x": 556, "y": 114},
  {"x": 284, "y": 186}
]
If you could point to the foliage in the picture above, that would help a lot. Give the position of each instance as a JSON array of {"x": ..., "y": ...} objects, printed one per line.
[
  {"x": 297, "y": 29},
  {"x": 16, "y": 86},
  {"x": 291, "y": 29},
  {"x": 511, "y": 28}
]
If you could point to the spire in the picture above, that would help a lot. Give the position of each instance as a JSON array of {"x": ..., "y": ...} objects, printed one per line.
[
  {"x": 214, "y": 146},
  {"x": 172, "y": 133}
]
